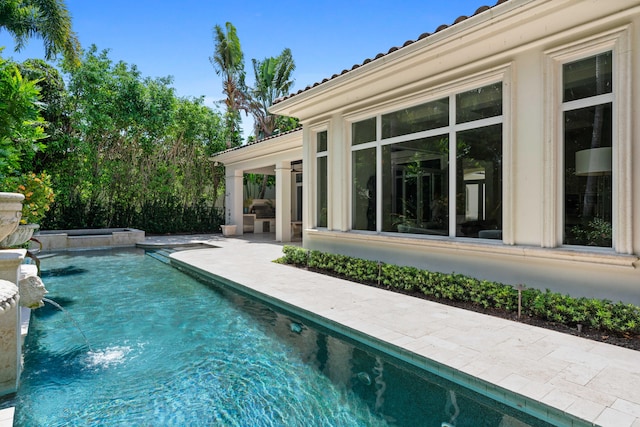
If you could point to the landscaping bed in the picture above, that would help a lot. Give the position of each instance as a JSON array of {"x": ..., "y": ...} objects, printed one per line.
[{"x": 599, "y": 320}]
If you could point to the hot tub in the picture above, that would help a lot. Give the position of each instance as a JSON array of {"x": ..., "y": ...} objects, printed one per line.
[{"x": 89, "y": 238}]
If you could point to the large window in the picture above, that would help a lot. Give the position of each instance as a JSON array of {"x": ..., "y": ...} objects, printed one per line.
[
  {"x": 587, "y": 86},
  {"x": 322, "y": 194},
  {"x": 440, "y": 167}
]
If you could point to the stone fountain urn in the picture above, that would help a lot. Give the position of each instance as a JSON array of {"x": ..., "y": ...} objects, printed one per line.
[
  {"x": 23, "y": 233},
  {"x": 10, "y": 213}
]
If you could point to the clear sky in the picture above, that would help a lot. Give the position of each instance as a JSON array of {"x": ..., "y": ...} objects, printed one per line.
[{"x": 175, "y": 38}]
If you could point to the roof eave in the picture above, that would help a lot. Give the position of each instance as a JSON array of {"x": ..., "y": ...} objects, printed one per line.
[{"x": 293, "y": 104}]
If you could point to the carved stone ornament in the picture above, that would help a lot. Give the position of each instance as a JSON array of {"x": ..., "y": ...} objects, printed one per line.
[
  {"x": 10, "y": 212},
  {"x": 8, "y": 295},
  {"x": 21, "y": 235},
  {"x": 32, "y": 291}
]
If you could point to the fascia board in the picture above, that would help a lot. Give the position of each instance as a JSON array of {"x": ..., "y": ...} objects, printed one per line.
[
  {"x": 516, "y": 24},
  {"x": 297, "y": 105},
  {"x": 273, "y": 146}
]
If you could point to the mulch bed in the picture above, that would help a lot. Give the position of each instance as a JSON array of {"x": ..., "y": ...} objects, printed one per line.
[{"x": 628, "y": 341}]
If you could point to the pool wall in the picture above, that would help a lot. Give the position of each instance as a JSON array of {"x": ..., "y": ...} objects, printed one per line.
[{"x": 89, "y": 238}]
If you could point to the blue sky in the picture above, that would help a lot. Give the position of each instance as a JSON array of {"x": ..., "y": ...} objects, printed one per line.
[{"x": 175, "y": 38}]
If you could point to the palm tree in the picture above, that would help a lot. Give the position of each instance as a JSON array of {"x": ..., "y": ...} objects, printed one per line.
[
  {"x": 47, "y": 19},
  {"x": 228, "y": 62},
  {"x": 272, "y": 80}
]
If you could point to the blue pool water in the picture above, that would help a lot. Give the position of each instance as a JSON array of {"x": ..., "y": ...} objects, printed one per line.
[{"x": 168, "y": 350}]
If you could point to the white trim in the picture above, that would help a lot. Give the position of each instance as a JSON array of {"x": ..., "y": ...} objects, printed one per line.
[
  {"x": 433, "y": 93},
  {"x": 587, "y": 102},
  {"x": 449, "y": 90},
  {"x": 479, "y": 246},
  {"x": 312, "y": 174},
  {"x": 616, "y": 40}
]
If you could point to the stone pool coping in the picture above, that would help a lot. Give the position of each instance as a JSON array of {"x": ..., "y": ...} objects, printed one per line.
[{"x": 546, "y": 373}]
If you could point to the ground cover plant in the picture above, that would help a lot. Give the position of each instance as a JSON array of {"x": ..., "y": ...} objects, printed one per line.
[{"x": 612, "y": 322}]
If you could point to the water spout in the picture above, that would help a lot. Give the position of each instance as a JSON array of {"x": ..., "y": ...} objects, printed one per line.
[{"x": 66, "y": 313}]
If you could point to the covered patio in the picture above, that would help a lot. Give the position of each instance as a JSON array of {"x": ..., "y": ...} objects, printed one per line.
[{"x": 279, "y": 156}]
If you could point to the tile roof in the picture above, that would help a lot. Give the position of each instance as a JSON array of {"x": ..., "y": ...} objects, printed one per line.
[{"x": 393, "y": 49}]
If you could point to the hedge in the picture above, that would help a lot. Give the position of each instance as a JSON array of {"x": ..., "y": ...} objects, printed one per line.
[{"x": 603, "y": 315}]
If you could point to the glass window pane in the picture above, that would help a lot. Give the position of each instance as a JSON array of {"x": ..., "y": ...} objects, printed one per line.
[
  {"x": 321, "y": 141},
  {"x": 364, "y": 131},
  {"x": 479, "y": 103},
  {"x": 588, "y": 202},
  {"x": 432, "y": 115},
  {"x": 321, "y": 192},
  {"x": 415, "y": 186},
  {"x": 364, "y": 189},
  {"x": 479, "y": 183},
  {"x": 587, "y": 77}
]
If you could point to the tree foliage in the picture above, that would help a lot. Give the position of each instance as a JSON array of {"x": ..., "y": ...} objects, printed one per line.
[
  {"x": 228, "y": 62},
  {"x": 273, "y": 79},
  {"x": 132, "y": 153},
  {"x": 46, "y": 19},
  {"x": 21, "y": 125}
]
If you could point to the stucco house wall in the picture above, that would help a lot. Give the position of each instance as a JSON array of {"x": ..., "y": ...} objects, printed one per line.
[
  {"x": 272, "y": 156},
  {"x": 523, "y": 45}
]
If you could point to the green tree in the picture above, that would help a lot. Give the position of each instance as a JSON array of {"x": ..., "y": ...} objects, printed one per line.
[
  {"x": 46, "y": 19},
  {"x": 272, "y": 80},
  {"x": 53, "y": 99},
  {"x": 228, "y": 62},
  {"x": 136, "y": 155},
  {"x": 21, "y": 125}
]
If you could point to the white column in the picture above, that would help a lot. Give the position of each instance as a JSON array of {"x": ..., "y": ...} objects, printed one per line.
[
  {"x": 283, "y": 201},
  {"x": 233, "y": 199}
]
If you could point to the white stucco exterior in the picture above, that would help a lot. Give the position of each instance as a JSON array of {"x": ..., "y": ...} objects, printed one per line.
[
  {"x": 523, "y": 44},
  {"x": 272, "y": 156}
]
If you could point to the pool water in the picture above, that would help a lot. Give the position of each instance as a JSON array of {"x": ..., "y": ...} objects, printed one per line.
[{"x": 167, "y": 350}]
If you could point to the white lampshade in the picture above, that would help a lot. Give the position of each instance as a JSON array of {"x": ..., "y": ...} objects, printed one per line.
[{"x": 594, "y": 161}]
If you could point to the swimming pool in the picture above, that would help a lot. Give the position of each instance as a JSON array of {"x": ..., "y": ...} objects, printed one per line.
[{"x": 166, "y": 349}]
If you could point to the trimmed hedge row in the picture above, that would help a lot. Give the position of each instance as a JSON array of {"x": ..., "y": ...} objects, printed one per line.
[{"x": 598, "y": 314}]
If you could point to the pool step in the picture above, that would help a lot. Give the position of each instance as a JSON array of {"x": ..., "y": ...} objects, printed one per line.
[{"x": 161, "y": 255}]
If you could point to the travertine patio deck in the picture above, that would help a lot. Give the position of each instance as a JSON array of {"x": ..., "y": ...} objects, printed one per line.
[{"x": 593, "y": 381}]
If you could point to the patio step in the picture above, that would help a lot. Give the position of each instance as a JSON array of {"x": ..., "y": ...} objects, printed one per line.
[{"x": 161, "y": 255}]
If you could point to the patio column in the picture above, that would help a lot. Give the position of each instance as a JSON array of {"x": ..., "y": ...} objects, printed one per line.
[
  {"x": 283, "y": 201},
  {"x": 233, "y": 199}
]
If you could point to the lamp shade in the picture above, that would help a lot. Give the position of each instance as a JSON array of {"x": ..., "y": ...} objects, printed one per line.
[{"x": 593, "y": 162}]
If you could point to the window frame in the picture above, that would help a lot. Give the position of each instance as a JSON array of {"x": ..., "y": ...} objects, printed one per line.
[
  {"x": 616, "y": 41},
  {"x": 315, "y": 131},
  {"x": 499, "y": 74}
]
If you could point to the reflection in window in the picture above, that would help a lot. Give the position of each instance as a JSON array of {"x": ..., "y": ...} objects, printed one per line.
[
  {"x": 415, "y": 193},
  {"x": 587, "y": 77},
  {"x": 321, "y": 139},
  {"x": 480, "y": 103},
  {"x": 416, "y": 182},
  {"x": 588, "y": 141},
  {"x": 322, "y": 192},
  {"x": 364, "y": 189},
  {"x": 479, "y": 183},
  {"x": 364, "y": 131},
  {"x": 432, "y": 115},
  {"x": 588, "y": 187},
  {"x": 322, "y": 195}
]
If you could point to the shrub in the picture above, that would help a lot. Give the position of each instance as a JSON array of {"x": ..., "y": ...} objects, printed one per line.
[
  {"x": 37, "y": 192},
  {"x": 562, "y": 309}
]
